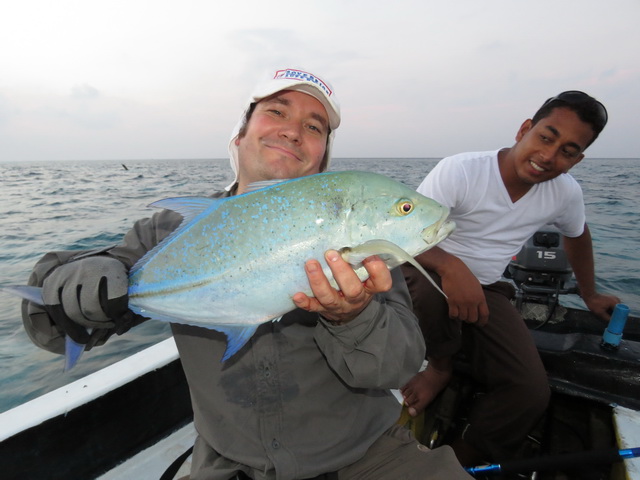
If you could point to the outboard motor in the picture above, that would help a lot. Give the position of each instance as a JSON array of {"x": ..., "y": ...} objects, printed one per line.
[{"x": 541, "y": 270}]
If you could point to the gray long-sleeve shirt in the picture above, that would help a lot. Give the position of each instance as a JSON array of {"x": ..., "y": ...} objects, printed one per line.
[{"x": 302, "y": 398}]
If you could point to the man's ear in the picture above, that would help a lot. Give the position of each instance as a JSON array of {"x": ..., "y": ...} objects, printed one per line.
[{"x": 524, "y": 128}]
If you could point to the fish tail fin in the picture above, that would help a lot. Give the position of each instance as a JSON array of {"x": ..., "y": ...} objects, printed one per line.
[
  {"x": 72, "y": 350},
  {"x": 237, "y": 336},
  {"x": 33, "y": 294},
  {"x": 72, "y": 353}
]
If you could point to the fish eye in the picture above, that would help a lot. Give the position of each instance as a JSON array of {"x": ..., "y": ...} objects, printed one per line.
[{"x": 405, "y": 207}]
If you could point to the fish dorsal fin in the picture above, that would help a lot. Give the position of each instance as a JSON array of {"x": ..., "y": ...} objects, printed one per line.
[
  {"x": 388, "y": 251},
  {"x": 252, "y": 187},
  {"x": 189, "y": 208}
]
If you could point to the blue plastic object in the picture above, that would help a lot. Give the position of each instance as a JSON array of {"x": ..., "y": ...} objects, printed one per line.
[{"x": 613, "y": 333}]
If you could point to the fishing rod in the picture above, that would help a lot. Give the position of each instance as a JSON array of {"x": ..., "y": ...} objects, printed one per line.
[{"x": 556, "y": 462}]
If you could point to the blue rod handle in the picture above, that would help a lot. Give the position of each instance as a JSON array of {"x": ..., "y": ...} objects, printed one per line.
[{"x": 556, "y": 462}]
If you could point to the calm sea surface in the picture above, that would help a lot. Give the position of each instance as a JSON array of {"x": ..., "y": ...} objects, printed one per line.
[{"x": 77, "y": 205}]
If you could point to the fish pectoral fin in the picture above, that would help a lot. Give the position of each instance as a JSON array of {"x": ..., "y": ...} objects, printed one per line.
[
  {"x": 237, "y": 336},
  {"x": 388, "y": 251},
  {"x": 424, "y": 272}
]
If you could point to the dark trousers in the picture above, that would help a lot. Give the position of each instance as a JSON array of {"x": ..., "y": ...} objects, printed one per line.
[
  {"x": 502, "y": 358},
  {"x": 326, "y": 476}
]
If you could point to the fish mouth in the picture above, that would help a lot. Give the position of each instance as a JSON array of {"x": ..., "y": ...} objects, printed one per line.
[{"x": 434, "y": 234}]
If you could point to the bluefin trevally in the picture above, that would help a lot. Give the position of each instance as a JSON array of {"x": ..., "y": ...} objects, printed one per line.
[{"x": 236, "y": 262}]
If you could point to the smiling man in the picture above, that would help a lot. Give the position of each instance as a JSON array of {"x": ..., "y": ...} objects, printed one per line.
[
  {"x": 498, "y": 200},
  {"x": 308, "y": 397},
  {"x": 286, "y": 138}
]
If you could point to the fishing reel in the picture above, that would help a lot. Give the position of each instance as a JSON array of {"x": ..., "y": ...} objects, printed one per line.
[{"x": 541, "y": 270}]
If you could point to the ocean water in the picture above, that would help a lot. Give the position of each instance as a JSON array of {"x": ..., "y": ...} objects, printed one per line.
[{"x": 49, "y": 206}]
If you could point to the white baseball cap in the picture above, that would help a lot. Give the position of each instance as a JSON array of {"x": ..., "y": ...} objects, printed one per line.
[{"x": 290, "y": 79}]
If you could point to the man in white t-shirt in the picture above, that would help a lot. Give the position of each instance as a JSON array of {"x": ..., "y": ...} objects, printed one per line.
[{"x": 499, "y": 199}]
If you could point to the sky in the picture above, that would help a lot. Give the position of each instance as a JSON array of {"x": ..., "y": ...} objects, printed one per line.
[{"x": 159, "y": 79}]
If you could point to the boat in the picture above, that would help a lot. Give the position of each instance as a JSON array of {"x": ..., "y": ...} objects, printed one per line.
[
  {"x": 133, "y": 419},
  {"x": 90, "y": 427},
  {"x": 594, "y": 411}
]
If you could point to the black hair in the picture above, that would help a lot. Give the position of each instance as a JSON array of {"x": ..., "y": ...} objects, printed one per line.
[{"x": 588, "y": 109}]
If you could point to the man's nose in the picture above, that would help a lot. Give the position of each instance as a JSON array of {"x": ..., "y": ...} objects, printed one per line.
[
  {"x": 292, "y": 131},
  {"x": 547, "y": 153}
]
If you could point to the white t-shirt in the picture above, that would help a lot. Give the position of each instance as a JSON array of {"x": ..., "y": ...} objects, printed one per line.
[{"x": 491, "y": 229}]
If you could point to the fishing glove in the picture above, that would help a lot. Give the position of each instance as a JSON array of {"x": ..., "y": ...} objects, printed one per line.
[{"x": 88, "y": 293}]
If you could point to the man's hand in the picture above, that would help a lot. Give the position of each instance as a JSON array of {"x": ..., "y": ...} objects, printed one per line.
[
  {"x": 87, "y": 293},
  {"x": 345, "y": 304},
  {"x": 463, "y": 290},
  {"x": 465, "y": 295},
  {"x": 601, "y": 305}
]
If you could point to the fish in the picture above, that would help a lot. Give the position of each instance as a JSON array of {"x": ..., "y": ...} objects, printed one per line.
[{"x": 235, "y": 263}]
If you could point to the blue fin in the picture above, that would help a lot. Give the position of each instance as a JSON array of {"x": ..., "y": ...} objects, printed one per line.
[
  {"x": 33, "y": 294},
  {"x": 388, "y": 251},
  {"x": 72, "y": 353},
  {"x": 188, "y": 207},
  {"x": 252, "y": 187},
  {"x": 237, "y": 336},
  {"x": 72, "y": 350}
]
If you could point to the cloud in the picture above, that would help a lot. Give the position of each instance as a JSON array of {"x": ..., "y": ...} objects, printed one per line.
[
  {"x": 415, "y": 78},
  {"x": 82, "y": 108},
  {"x": 84, "y": 91}
]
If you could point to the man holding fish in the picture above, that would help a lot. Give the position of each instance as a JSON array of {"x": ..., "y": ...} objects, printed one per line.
[
  {"x": 499, "y": 199},
  {"x": 305, "y": 395}
]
